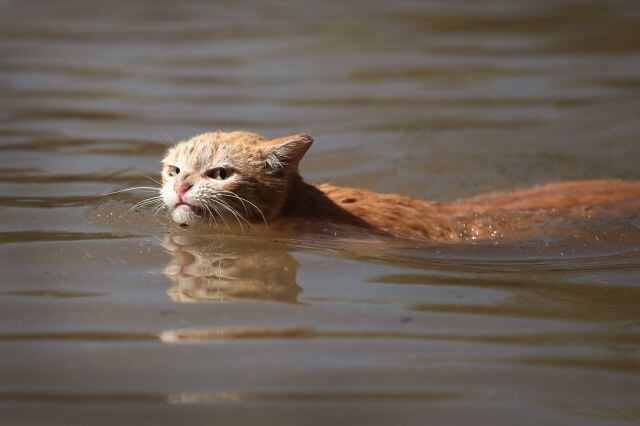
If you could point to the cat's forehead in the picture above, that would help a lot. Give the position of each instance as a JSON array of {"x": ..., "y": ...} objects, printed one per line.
[{"x": 214, "y": 147}]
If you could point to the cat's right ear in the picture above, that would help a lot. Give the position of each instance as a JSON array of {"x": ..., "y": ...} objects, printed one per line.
[{"x": 286, "y": 153}]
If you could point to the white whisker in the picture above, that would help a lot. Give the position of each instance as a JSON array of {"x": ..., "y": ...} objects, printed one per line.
[
  {"x": 211, "y": 215},
  {"x": 170, "y": 139},
  {"x": 137, "y": 188},
  {"x": 220, "y": 215},
  {"x": 151, "y": 203},
  {"x": 234, "y": 215},
  {"x": 233, "y": 212},
  {"x": 146, "y": 201},
  {"x": 236, "y": 212},
  {"x": 243, "y": 200},
  {"x": 159, "y": 207},
  {"x": 208, "y": 209},
  {"x": 148, "y": 177},
  {"x": 227, "y": 193}
]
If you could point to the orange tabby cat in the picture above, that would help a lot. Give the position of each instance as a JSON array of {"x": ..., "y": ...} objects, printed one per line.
[{"x": 242, "y": 177}]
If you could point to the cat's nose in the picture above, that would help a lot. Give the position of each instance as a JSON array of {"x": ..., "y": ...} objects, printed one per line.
[{"x": 182, "y": 187}]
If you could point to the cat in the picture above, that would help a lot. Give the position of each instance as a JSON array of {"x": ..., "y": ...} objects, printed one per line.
[{"x": 223, "y": 177}]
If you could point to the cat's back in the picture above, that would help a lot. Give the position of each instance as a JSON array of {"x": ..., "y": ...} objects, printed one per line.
[
  {"x": 394, "y": 214},
  {"x": 603, "y": 196},
  {"x": 486, "y": 216}
]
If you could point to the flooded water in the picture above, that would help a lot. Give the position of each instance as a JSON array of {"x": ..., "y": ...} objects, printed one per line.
[{"x": 110, "y": 315}]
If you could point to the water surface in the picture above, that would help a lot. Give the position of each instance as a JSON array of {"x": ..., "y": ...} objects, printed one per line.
[{"x": 110, "y": 314}]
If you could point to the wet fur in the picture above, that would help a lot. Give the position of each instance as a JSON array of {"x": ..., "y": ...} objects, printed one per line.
[{"x": 266, "y": 177}]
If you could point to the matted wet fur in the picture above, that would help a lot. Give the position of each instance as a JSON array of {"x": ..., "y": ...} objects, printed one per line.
[{"x": 243, "y": 178}]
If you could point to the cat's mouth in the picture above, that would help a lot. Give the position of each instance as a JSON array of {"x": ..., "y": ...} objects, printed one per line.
[{"x": 197, "y": 210}]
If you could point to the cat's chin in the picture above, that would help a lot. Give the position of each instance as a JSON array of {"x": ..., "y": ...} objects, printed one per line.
[{"x": 184, "y": 215}]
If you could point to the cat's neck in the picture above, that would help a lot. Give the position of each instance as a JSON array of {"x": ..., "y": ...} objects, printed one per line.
[{"x": 305, "y": 200}]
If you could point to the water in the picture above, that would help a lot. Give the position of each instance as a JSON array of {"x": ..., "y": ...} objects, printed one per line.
[{"x": 109, "y": 314}]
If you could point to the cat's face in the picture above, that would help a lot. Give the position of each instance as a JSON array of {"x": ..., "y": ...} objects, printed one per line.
[{"x": 229, "y": 177}]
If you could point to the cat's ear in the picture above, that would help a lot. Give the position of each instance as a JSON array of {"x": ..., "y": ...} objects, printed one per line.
[{"x": 285, "y": 153}]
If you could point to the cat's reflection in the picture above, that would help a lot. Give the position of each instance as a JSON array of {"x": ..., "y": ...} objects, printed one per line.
[{"x": 223, "y": 269}]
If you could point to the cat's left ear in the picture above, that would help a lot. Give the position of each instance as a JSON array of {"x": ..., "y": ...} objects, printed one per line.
[{"x": 288, "y": 151}]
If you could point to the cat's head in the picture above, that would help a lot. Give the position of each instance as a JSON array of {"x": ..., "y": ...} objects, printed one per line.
[{"x": 231, "y": 177}]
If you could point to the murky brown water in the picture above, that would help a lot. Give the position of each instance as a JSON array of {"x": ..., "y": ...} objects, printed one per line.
[{"x": 110, "y": 316}]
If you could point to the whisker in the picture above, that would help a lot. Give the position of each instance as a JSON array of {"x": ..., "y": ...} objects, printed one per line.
[
  {"x": 211, "y": 203},
  {"x": 137, "y": 188},
  {"x": 148, "y": 177},
  {"x": 220, "y": 215},
  {"x": 157, "y": 209},
  {"x": 147, "y": 201},
  {"x": 227, "y": 193},
  {"x": 236, "y": 212},
  {"x": 151, "y": 200},
  {"x": 170, "y": 139},
  {"x": 155, "y": 197},
  {"x": 242, "y": 200},
  {"x": 233, "y": 212},
  {"x": 150, "y": 203},
  {"x": 234, "y": 215},
  {"x": 206, "y": 206},
  {"x": 210, "y": 214}
]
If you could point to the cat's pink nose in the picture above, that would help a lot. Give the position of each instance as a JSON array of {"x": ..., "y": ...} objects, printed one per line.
[{"x": 182, "y": 187}]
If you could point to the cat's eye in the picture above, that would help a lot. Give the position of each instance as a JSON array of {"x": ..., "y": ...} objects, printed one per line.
[
  {"x": 219, "y": 173},
  {"x": 173, "y": 170}
]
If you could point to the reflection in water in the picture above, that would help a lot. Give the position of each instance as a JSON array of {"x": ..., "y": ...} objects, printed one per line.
[
  {"x": 190, "y": 398},
  {"x": 226, "y": 269}
]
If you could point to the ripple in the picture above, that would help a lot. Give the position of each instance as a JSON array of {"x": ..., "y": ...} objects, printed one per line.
[
  {"x": 49, "y": 202},
  {"x": 62, "y": 294},
  {"x": 625, "y": 365},
  {"x": 79, "y": 336},
  {"x": 189, "y": 398},
  {"x": 467, "y": 73},
  {"x": 76, "y": 146},
  {"x": 67, "y": 114},
  {"x": 40, "y": 236},
  {"x": 452, "y": 123},
  {"x": 74, "y": 398}
]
